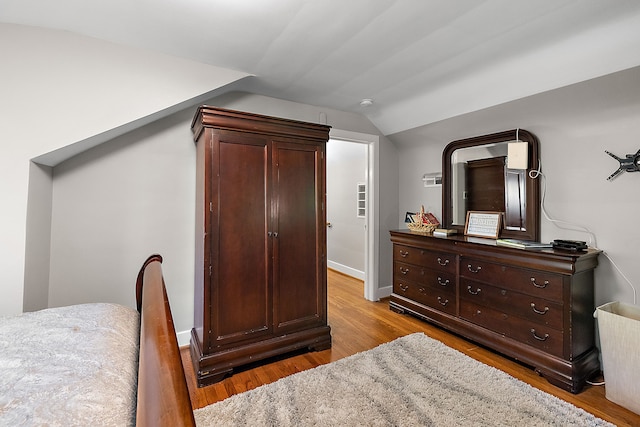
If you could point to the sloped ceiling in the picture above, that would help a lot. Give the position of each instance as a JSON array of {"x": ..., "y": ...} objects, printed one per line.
[{"x": 420, "y": 61}]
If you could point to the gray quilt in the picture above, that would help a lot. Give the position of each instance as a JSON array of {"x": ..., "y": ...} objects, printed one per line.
[{"x": 69, "y": 366}]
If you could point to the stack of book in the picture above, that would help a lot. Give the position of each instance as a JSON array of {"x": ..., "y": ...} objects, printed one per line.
[
  {"x": 444, "y": 232},
  {"x": 523, "y": 244}
]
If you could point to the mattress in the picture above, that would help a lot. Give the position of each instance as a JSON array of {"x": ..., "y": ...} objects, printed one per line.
[{"x": 69, "y": 366}]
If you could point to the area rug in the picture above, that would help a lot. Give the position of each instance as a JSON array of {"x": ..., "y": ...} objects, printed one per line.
[{"x": 411, "y": 381}]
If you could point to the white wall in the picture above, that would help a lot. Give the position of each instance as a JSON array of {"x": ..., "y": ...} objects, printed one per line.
[
  {"x": 575, "y": 125},
  {"x": 416, "y": 160},
  {"x": 346, "y": 167},
  {"x": 38, "y": 238},
  {"x": 118, "y": 203},
  {"x": 62, "y": 91}
]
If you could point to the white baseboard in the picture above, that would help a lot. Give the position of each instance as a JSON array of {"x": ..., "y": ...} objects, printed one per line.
[
  {"x": 184, "y": 338},
  {"x": 384, "y": 292},
  {"x": 346, "y": 270}
]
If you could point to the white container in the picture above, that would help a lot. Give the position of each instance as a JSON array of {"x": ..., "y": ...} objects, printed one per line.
[{"x": 619, "y": 329}]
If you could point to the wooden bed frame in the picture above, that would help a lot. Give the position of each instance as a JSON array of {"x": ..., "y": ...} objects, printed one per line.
[{"x": 163, "y": 395}]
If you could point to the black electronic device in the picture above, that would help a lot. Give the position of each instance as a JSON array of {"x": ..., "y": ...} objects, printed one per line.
[{"x": 569, "y": 245}]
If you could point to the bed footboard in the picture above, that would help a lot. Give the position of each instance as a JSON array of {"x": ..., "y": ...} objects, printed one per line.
[{"x": 163, "y": 396}]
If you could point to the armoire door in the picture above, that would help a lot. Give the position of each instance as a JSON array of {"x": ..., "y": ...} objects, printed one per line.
[
  {"x": 241, "y": 295},
  {"x": 299, "y": 248}
]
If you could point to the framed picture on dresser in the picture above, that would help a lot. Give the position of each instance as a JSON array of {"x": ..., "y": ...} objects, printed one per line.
[{"x": 483, "y": 224}]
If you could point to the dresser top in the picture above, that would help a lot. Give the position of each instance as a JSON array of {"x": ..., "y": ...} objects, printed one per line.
[{"x": 566, "y": 262}]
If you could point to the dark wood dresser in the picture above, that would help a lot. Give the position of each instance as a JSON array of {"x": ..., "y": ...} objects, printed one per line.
[
  {"x": 532, "y": 305},
  {"x": 260, "y": 275}
]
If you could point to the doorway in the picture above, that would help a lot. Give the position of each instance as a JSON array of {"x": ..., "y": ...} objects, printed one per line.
[
  {"x": 346, "y": 206},
  {"x": 364, "y": 229}
]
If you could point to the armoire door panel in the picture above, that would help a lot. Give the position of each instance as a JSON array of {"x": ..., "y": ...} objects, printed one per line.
[
  {"x": 298, "y": 207},
  {"x": 241, "y": 260}
]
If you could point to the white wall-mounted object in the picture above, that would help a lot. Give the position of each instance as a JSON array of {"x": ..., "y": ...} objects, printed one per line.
[
  {"x": 432, "y": 179},
  {"x": 517, "y": 155},
  {"x": 362, "y": 199}
]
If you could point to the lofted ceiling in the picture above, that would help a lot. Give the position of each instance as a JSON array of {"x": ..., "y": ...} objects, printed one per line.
[{"x": 419, "y": 60}]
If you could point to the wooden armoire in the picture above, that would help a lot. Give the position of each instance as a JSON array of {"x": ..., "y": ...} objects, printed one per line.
[{"x": 260, "y": 259}]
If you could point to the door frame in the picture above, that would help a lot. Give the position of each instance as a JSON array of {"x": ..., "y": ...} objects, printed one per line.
[{"x": 372, "y": 235}]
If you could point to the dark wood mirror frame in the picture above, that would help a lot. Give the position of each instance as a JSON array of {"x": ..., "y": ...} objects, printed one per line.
[{"x": 530, "y": 204}]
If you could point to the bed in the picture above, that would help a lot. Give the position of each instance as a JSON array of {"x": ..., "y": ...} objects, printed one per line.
[{"x": 96, "y": 364}]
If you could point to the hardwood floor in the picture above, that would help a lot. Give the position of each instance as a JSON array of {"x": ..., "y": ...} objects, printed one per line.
[{"x": 358, "y": 325}]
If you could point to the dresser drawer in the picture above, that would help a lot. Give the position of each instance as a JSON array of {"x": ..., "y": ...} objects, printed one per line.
[
  {"x": 432, "y": 278},
  {"x": 440, "y": 299},
  {"x": 531, "y": 282},
  {"x": 528, "y": 307},
  {"x": 441, "y": 261},
  {"x": 539, "y": 336}
]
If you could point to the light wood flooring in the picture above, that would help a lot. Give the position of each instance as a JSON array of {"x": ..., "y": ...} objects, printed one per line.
[{"x": 358, "y": 325}]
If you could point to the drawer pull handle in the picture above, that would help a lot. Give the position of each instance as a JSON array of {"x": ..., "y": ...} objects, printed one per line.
[
  {"x": 537, "y": 285},
  {"x": 443, "y": 282},
  {"x": 445, "y": 302},
  {"x": 533, "y": 332},
  {"x": 404, "y": 254},
  {"x": 404, "y": 270},
  {"x": 472, "y": 292},
  {"x": 535, "y": 310},
  {"x": 422, "y": 290},
  {"x": 474, "y": 270},
  {"x": 443, "y": 263},
  {"x": 404, "y": 287}
]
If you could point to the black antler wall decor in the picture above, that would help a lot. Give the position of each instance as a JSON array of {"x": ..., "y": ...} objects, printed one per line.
[{"x": 631, "y": 163}]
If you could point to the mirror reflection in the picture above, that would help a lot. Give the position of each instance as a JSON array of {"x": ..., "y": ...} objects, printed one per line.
[{"x": 472, "y": 158}]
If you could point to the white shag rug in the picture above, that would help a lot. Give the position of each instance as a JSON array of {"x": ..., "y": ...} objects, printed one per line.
[{"x": 411, "y": 381}]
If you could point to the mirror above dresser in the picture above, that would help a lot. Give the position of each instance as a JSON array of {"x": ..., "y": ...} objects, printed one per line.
[{"x": 476, "y": 177}]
